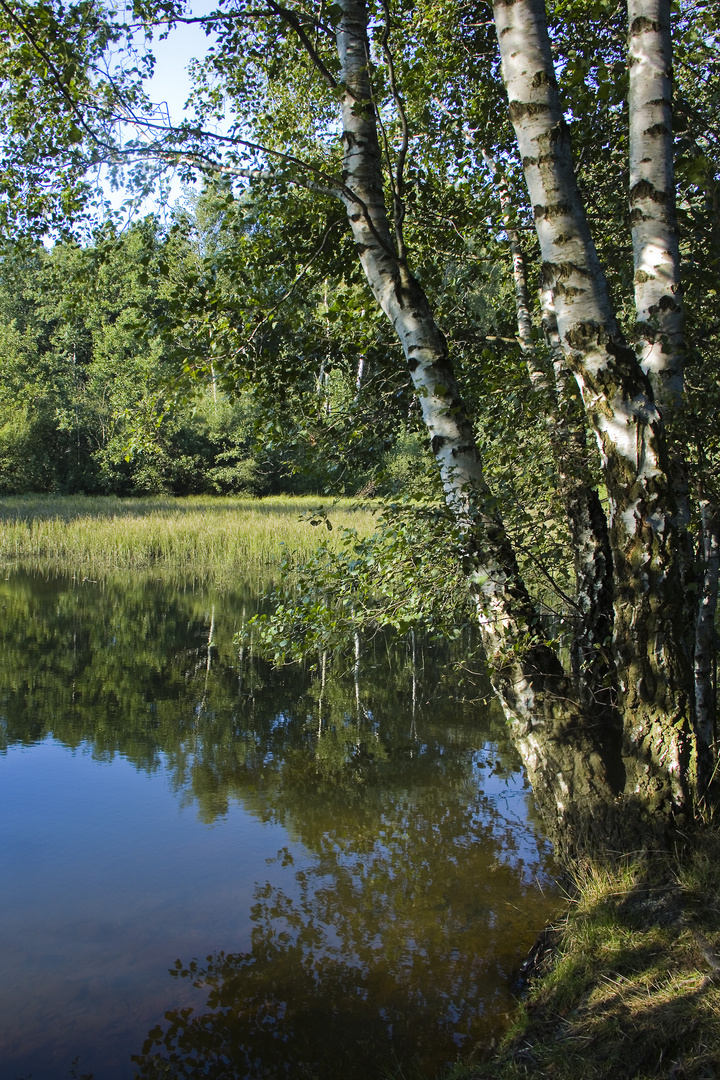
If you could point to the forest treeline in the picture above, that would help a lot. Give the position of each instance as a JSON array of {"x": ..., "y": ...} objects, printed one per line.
[
  {"x": 97, "y": 346},
  {"x": 90, "y": 359}
]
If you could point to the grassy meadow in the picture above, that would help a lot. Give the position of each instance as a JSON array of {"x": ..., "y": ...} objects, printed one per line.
[{"x": 202, "y": 537}]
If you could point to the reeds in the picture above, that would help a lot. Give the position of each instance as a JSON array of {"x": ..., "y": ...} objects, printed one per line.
[{"x": 201, "y": 537}]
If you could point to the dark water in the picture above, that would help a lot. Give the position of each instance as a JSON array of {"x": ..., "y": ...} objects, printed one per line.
[{"x": 228, "y": 871}]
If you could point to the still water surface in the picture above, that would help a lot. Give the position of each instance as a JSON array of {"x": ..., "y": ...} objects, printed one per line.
[{"x": 333, "y": 876}]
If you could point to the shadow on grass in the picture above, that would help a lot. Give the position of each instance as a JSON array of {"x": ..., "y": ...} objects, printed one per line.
[{"x": 633, "y": 990}]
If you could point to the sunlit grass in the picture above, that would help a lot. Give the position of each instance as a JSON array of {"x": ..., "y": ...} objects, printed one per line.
[
  {"x": 632, "y": 991},
  {"x": 203, "y": 537}
]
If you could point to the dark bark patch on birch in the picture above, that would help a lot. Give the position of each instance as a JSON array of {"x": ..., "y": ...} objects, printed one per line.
[
  {"x": 584, "y": 334},
  {"x": 461, "y": 451},
  {"x": 657, "y": 129},
  {"x": 626, "y": 365},
  {"x": 543, "y": 78},
  {"x": 566, "y": 270},
  {"x": 559, "y": 209},
  {"x": 555, "y": 273},
  {"x": 643, "y": 331},
  {"x": 542, "y": 159},
  {"x": 437, "y": 442},
  {"x": 520, "y": 109},
  {"x": 642, "y": 24},
  {"x": 568, "y": 290},
  {"x": 645, "y": 190}
]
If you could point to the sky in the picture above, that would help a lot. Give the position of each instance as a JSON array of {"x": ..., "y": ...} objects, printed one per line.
[{"x": 170, "y": 85}]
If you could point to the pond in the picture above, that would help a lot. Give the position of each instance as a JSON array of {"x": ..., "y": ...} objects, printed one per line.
[{"x": 214, "y": 868}]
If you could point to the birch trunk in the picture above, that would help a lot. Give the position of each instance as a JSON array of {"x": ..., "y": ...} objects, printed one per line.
[
  {"x": 536, "y": 372},
  {"x": 592, "y": 666},
  {"x": 563, "y": 755},
  {"x": 592, "y": 660},
  {"x": 653, "y": 669},
  {"x": 659, "y": 330},
  {"x": 705, "y": 641}
]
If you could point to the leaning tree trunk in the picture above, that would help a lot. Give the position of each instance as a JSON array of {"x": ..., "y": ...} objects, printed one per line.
[
  {"x": 653, "y": 669},
  {"x": 562, "y": 752},
  {"x": 591, "y": 659}
]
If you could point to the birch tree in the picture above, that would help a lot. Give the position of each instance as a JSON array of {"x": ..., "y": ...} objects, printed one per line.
[
  {"x": 658, "y": 295},
  {"x": 592, "y": 669},
  {"x": 649, "y": 605}
]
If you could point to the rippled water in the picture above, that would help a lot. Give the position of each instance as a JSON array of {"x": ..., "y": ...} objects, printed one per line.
[{"x": 211, "y": 868}]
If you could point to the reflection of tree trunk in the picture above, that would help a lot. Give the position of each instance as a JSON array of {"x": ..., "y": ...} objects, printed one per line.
[
  {"x": 208, "y": 661},
  {"x": 210, "y": 642},
  {"x": 356, "y": 675},
  {"x": 323, "y": 663},
  {"x": 241, "y": 651},
  {"x": 414, "y": 683}
]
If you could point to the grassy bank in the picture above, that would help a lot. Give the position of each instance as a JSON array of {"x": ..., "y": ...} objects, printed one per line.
[
  {"x": 628, "y": 983},
  {"x": 204, "y": 537}
]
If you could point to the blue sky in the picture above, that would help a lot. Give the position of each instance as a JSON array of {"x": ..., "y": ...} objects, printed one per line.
[{"x": 171, "y": 84}]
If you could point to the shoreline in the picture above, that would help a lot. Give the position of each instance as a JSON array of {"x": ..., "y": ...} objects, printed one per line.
[{"x": 625, "y": 985}]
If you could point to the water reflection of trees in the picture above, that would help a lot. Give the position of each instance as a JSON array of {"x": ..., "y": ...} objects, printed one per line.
[
  {"x": 122, "y": 667},
  {"x": 397, "y": 941},
  {"x": 410, "y": 908}
]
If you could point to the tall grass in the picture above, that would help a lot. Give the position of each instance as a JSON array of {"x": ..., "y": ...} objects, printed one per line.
[{"x": 203, "y": 537}]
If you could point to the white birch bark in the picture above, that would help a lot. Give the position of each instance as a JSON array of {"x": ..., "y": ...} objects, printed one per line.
[
  {"x": 592, "y": 668},
  {"x": 659, "y": 326},
  {"x": 561, "y": 753},
  {"x": 653, "y": 672},
  {"x": 659, "y": 330},
  {"x": 522, "y": 296}
]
